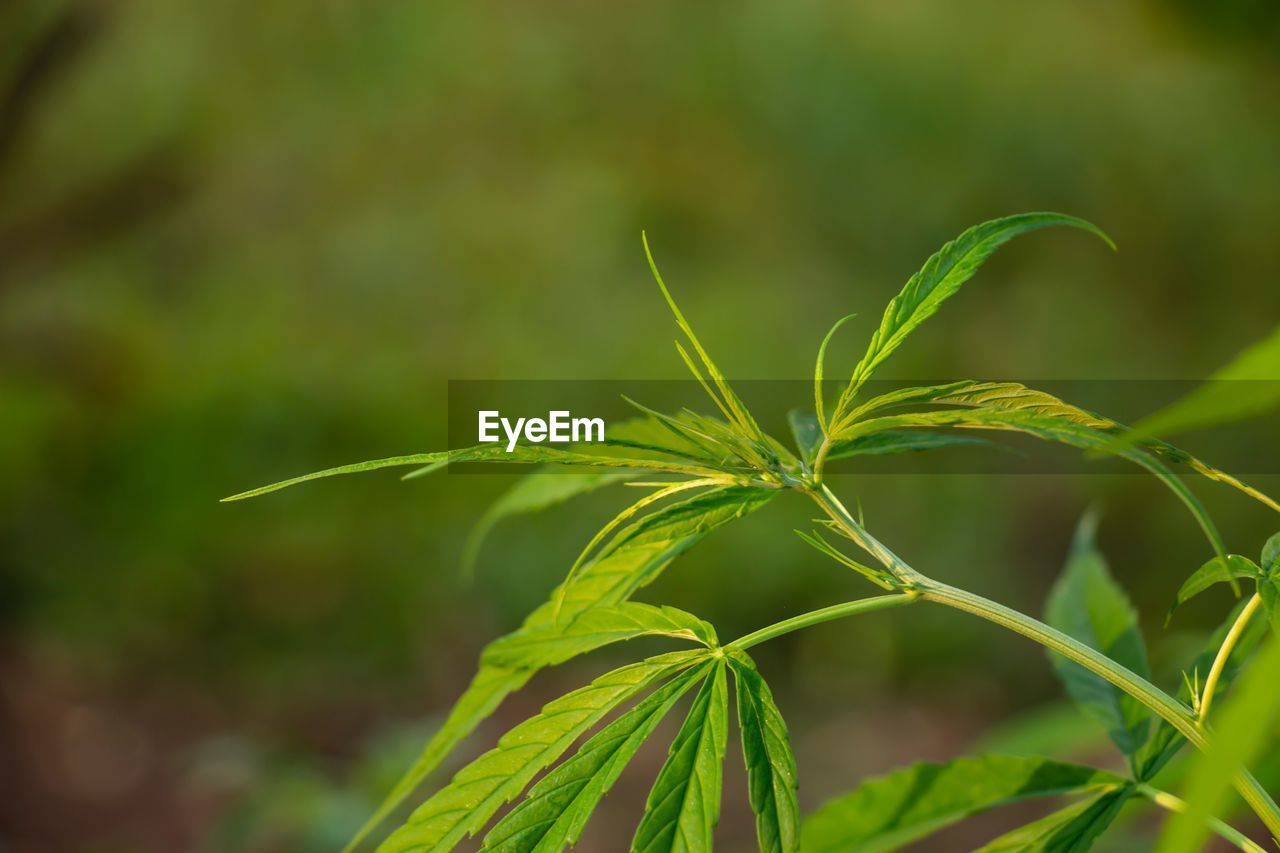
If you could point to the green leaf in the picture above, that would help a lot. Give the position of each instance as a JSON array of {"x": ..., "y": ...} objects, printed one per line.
[
  {"x": 1050, "y": 428},
  {"x": 521, "y": 454},
  {"x": 902, "y": 441},
  {"x": 1087, "y": 604},
  {"x": 684, "y": 804},
  {"x": 806, "y": 431},
  {"x": 358, "y": 467},
  {"x": 633, "y": 559},
  {"x": 1165, "y": 741},
  {"x": 942, "y": 275},
  {"x": 1270, "y": 558},
  {"x": 533, "y": 493},
  {"x": 728, "y": 401},
  {"x": 548, "y": 644},
  {"x": 556, "y": 809},
  {"x": 1245, "y": 388},
  {"x": 1218, "y": 570},
  {"x": 892, "y": 811},
  {"x": 819, "y": 369},
  {"x": 1071, "y": 830},
  {"x": 1014, "y": 397},
  {"x": 771, "y": 766},
  {"x": 467, "y": 803},
  {"x": 1245, "y": 726}
]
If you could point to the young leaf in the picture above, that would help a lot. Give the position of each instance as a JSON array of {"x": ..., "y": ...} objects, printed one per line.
[
  {"x": 556, "y": 809},
  {"x": 879, "y": 577},
  {"x": 1246, "y": 387},
  {"x": 533, "y": 493},
  {"x": 1087, "y": 604},
  {"x": 635, "y": 558},
  {"x": 684, "y": 804},
  {"x": 550, "y": 644},
  {"x": 1165, "y": 741},
  {"x": 467, "y": 803},
  {"x": 892, "y": 811},
  {"x": 806, "y": 431},
  {"x": 771, "y": 766},
  {"x": 820, "y": 367},
  {"x": 1218, "y": 570},
  {"x": 1270, "y": 558},
  {"x": 728, "y": 400},
  {"x": 942, "y": 275},
  {"x": 1071, "y": 830}
]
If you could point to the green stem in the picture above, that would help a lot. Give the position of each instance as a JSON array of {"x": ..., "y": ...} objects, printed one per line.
[
  {"x": 826, "y": 614},
  {"x": 1224, "y": 653},
  {"x": 1162, "y": 704},
  {"x": 1169, "y": 802}
]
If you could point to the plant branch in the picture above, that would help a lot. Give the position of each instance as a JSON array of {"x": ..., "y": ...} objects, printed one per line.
[
  {"x": 1170, "y": 803},
  {"x": 826, "y": 614},
  {"x": 1224, "y": 653},
  {"x": 1165, "y": 706}
]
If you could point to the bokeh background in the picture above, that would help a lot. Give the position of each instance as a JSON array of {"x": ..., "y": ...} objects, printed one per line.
[{"x": 242, "y": 240}]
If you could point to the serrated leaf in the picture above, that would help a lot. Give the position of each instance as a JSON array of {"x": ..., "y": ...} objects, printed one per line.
[
  {"x": 1071, "y": 830},
  {"x": 902, "y": 441},
  {"x": 556, "y": 809},
  {"x": 1050, "y": 428},
  {"x": 1215, "y": 571},
  {"x": 684, "y": 804},
  {"x": 771, "y": 765},
  {"x": 1088, "y": 605},
  {"x": 521, "y": 454},
  {"x": 1165, "y": 741},
  {"x": 806, "y": 431},
  {"x": 1014, "y": 397},
  {"x": 940, "y": 277},
  {"x": 1248, "y": 386},
  {"x": 532, "y": 493},
  {"x": 550, "y": 644},
  {"x": 728, "y": 401},
  {"x": 892, "y": 811},
  {"x": 633, "y": 559},
  {"x": 467, "y": 803}
]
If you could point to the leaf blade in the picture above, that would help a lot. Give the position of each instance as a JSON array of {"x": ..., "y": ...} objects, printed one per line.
[
  {"x": 894, "y": 810},
  {"x": 1087, "y": 604},
  {"x": 940, "y": 277},
  {"x": 684, "y": 803},
  {"x": 771, "y": 766}
]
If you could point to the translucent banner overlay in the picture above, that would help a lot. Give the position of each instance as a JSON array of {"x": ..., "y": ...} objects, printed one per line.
[{"x": 535, "y": 409}]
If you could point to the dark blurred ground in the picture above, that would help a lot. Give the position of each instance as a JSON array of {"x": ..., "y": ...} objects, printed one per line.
[{"x": 242, "y": 240}]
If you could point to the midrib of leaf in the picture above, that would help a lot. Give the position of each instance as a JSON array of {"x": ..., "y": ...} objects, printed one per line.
[
  {"x": 771, "y": 766},
  {"x": 698, "y": 748}
]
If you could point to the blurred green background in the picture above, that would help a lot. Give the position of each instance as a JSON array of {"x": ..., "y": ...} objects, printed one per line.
[{"x": 243, "y": 240}]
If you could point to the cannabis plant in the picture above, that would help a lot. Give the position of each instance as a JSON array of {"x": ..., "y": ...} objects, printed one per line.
[{"x": 701, "y": 471}]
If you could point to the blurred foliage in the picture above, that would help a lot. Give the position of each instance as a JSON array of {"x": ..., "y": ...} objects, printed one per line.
[{"x": 244, "y": 240}]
